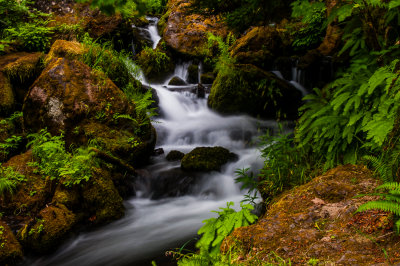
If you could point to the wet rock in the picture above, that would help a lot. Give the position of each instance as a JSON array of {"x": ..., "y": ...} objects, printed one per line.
[
  {"x": 193, "y": 74},
  {"x": 48, "y": 230},
  {"x": 158, "y": 152},
  {"x": 10, "y": 248},
  {"x": 201, "y": 91},
  {"x": 248, "y": 89},
  {"x": 172, "y": 183},
  {"x": 7, "y": 98},
  {"x": 177, "y": 81},
  {"x": 205, "y": 159},
  {"x": 155, "y": 64},
  {"x": 174, "y": 155},
  {"x": 185, "y": 30}
]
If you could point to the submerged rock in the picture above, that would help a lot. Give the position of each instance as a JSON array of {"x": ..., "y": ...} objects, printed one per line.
[
  {"x": 205, "y": 159},
  {"x": 317, "y": 220},
  {"x": 248, "y": 89},
  {"x": 174, "y": 155}
]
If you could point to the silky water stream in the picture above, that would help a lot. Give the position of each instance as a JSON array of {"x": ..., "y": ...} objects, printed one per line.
[{"x": 155, "y": 223}]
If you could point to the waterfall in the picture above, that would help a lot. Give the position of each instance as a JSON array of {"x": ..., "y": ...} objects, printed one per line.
[{"x": 153, "y": 226}]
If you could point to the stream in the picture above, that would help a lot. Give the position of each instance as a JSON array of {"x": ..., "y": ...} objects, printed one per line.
[{"x": 154, "y": 224}]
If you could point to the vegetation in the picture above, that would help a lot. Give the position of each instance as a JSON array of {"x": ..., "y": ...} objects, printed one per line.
[
  {"x": 55, "y": 162},
  {"x": 9, "y": 180}
]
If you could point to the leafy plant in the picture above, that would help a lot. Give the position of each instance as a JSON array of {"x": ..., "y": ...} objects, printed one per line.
[
  {"x": 9, "y": 180},
  {"x": 390, "y": 201},
  {"x": 57, "y": 163},
  {"x": 154, "y": 62},
  {"x": 9, "y": 145},
  {"x": 286, "y": 165},
  {"x": 216, "y": 229}
]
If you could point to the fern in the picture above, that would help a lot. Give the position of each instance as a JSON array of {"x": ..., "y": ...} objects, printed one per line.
[
  {"x": 9, "y": 180},
  {"x": 389, "y": 202},
  {"x": 216, "y": 229}
]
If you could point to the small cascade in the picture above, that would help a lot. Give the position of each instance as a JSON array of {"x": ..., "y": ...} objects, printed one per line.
[
  {"x": 297, "y": 78},
  {"x": 152, "y": 29},
  {"x": 153, "y": 225}
]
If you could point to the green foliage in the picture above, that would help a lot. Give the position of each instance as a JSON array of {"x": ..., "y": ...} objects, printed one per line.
[
  {"x": 154, "y": 62},
  {"x": 390, "y": 201},
  {"x": 54, "y": 161},
  {"x": 216, "y": 229},
  {"x": 286, "y": 165},
  {"x": 24, "y": 24},
  {"x": 9, "y": 180},
  {"x": 218, "y": 50},
  {"x": 128, "y": 7},
  {"x": 10, "y": 144},
  {"x": 313, "y": 16},
  {"x": 356, "y": 118}
]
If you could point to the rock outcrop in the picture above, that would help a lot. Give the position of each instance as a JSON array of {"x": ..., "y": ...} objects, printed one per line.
[
  {"x": 205, "y": 159},
  {"x": 186, "y": 32},
  {"x": 318, "y": 221}
]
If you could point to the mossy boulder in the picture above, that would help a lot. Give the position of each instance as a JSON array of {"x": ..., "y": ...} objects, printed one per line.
[
  {"x": 318, "y": 220},
  {"x": 205, "y": 159},
  {"x": 207, "y": 78},
  {"x": 156, "y": 64},
  {"x": 259, "y": 46},
  {"x": 193, "y": 74},
  {"x": 248, "y": 89},
  {"x": 48, "y": 229},
  {"x": 101, "y": 199},
  {"x": 186, "y": 32},
  {"x": 66, "y": 49},
  {"x": 174, "y": 155},
  {"x": 31, "y": 195},
  {"x": 10, "y": 248},
  {"x": 177, "y": 81}
]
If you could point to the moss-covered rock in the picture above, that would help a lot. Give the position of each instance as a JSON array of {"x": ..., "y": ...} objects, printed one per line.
[
  {"x": 186, "y": 32},
  {"x": 207, "y": 159},
  {"x": 7, "y": 98},
  {"x": 248, "y": 89},
  {"x": 207, "y": 78},
  {"x": 67, "y": 49},
  {"x": 101, "y": 199},
  {"x": 259, "y": 46},
  {"x": 31, "y": 195},
  {"x": 155, "y": 64},
  {"x": 177, "y": 81},
  {"x": 10, "y": 249},
  {"x": 193, "y": 74},
  {"x": 174, "y": 155},
  {"x": 48, "y": 229},
  {"x": 317, "y": 221}
]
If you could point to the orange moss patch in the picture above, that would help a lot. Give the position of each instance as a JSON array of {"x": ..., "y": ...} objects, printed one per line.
[
  {"x": 315, "y": 221},
  {"x": 67, "y": 49}
]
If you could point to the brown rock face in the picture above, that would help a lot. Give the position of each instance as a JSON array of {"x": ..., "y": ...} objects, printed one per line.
[
  {"x": 10, "y": 249},
  {"x": 317, "y": 221},
  {"x": 66, "y": 92},
  {"x": 184, "y": 31}
]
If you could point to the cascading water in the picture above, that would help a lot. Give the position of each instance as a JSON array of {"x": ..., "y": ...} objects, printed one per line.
[{"x": 153, "y": 226}]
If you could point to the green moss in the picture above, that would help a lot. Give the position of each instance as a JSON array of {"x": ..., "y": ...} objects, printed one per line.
[
  {"x": 176, "y": 81},
  {"x": 174, "y": 156},
  {"x": 162, "y": 23},
  {"x": 7, "y": 99},
  {"x": 207, "y": 78},
  {"x": 193, "y": 74},
  {"x": 206, "y": 159},
  {"x": 101, "y": 199},
  {"x": 47, "y": 232},
  {"x": 154, "y": 62},
  {"x": 248, "y": 89}
]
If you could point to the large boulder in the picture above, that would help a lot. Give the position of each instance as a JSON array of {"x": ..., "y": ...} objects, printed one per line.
[
  {"x": 317, "y": 221},
  {"x": 156, "y": 64},
  {"x": 248, "y": 89},
  {"x": 184, "y": 31},
  {"x": 259, "y": 46},
  {"x": 69, "y": 96},
  {"x": 205, "y": 159},
  {"x": 10, "y": 249}
]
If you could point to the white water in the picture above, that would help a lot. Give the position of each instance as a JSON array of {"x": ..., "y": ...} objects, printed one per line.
[
  {"x": 151, "y": 227},
  {"x": 155, "y": 37}
]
